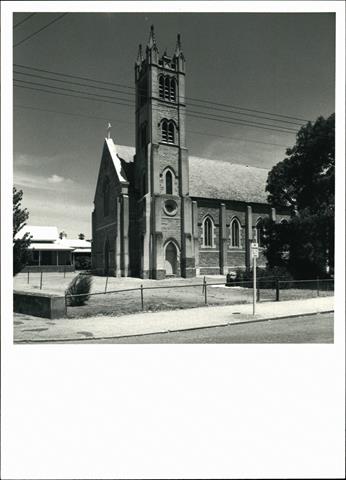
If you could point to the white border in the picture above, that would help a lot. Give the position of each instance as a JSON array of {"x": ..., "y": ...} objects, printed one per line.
[{"x": 206, "y": 411}]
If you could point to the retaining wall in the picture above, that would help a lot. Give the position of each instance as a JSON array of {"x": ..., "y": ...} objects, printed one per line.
[{"x": 39, "y": 304}]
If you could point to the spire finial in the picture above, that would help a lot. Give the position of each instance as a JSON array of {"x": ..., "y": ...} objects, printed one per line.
[
  {"x": 178, "y": 50},
  {"x": 151, "y": 41},
  {"x": 140, "y": 55},
  {"x": 109, "y": 126}
]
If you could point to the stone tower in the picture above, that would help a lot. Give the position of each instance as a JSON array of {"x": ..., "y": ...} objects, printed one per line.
[{"x": 161, "y": 170}]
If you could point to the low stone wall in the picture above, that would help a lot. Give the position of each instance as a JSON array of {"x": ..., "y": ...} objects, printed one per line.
[{"x": 39, "y": 304}]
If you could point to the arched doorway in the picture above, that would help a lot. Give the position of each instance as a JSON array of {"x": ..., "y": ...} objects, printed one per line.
[
  {"x": 106, "y": 258},
  {"x": 171, "y": 254}
]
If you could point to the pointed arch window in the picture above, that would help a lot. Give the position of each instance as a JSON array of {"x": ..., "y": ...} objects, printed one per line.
[
  {"x": 106, "y": 190},
  {"x": 162, "y": 86},
  {"x": 260, "y": 232},
  {"x": 171, "y": 132},
  {"x": 167, "y": 87},
  {"x": 164, "y": 131},
  {"x": 173, "y": 90},
  {"x": 235, "y": 233},
  {"x": 168, "y": 182},
  {"x": 168, "y": 131},
  {"x": 208, "y": 232}
]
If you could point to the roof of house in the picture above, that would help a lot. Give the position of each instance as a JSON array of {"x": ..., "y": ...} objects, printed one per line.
[
  {"x": 75, "y": 243},
  {"x": 49, "y": 246},
  {"x": 39, "y": 234},
  {"x": 219, "y": 179}
]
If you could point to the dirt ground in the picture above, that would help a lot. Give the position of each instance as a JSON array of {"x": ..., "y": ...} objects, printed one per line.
[{"x": 178, "y": 293}]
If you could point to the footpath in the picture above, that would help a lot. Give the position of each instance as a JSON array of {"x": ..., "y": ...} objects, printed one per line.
[{"x": 29, "y": 329}]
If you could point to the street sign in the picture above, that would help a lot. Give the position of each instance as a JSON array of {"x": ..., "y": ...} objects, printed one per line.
[{"x": 254, "y": 250}]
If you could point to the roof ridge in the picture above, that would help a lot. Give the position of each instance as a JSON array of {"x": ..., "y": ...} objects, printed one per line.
[{"x": 228, "y": 162}]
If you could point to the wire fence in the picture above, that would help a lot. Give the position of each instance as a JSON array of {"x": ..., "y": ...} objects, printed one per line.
[{"x": 190, "y": 295}]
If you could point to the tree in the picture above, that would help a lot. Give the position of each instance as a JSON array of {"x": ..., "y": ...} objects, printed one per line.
[
  {"x": 304, "y": 183},
  {"x": 20, "y": 245},
  {"x": 81, "y": 236}
]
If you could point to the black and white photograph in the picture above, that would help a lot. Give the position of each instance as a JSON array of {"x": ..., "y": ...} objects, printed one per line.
[
  {"x": 160, "y": 189},
  {"x": 176, "y": 178}
]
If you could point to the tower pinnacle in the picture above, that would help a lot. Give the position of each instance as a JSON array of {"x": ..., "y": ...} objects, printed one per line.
[
  {"x": 152, "y": 40},
  {"x": 178, "y": 49}
]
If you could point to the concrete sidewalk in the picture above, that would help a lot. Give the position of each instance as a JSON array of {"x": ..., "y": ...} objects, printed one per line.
[{"x": 28, "y": 329}]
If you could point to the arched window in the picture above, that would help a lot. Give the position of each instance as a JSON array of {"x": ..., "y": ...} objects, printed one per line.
[
  {"x": 164, "y": 131},
  {"x": 260, "y": 232},
  {"x": 173, "y": 90},
  {"x": 106, "y": 197},
  {"x": 171, "y": 132},
  {"x": 167, "y": 87},
  {"x": 208, "y": 232},
  {"x": 162, "y": 87},
  {"x": 235, "y": 233},
  {"x": 169, "y": 182}
]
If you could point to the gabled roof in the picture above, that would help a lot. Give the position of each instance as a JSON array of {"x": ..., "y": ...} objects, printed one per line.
[
  {"x": 115, "y": 159},
  {"x": 39, "y": 234},
  {"x": 218, "y": 179},
  {"x": 227, "y": 181}
]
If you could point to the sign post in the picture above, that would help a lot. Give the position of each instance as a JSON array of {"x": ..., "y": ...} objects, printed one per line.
[{"x": 254, "y": 255}]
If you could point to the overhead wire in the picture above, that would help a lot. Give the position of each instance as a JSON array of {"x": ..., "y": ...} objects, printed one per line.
[
  {"x": 24, "y": 20},
  {"x": 201, "y": 114},
  {"x": 209, "y": 102},
  {"x": 40, "y": 30},
  {"x": 106, "y": 118}
]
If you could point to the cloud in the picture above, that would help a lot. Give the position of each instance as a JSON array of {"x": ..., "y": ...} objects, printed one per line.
[
  {"x": 57, "y": 179},
  {"x": 24, "y": 179}
]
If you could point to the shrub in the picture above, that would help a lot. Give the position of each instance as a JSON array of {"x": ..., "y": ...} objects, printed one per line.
[
  {"x": 80, "y": 285},
  {"x": 266, "y": 277}
]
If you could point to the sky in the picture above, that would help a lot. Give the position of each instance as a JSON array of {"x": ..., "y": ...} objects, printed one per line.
[{"x": 283, "y": 64}]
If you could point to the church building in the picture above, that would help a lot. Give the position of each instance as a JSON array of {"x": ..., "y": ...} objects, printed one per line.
[{"x": 160, "y": 212}]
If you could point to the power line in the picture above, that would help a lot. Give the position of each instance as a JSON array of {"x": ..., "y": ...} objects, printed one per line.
[
  {"x": 73, "y": 76},
  {"x": 133, "y": 94},
  {"x": 91, "y": 96},
  {"x": 193, "y": 132},
  {"x": 133, "y": 88},
  {"x": 24, "y": 20},
  {"x": 241, "y": 121},
  {"x": 40, "y": 30}
]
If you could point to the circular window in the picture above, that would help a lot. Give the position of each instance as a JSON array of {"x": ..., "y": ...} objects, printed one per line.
[{"x": 170, "y": 207}]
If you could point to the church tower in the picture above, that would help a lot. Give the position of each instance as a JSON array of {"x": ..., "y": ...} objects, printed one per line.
[{"x": 161, "y": 171}]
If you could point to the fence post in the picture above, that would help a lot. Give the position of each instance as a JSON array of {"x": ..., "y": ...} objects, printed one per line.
[
  {"x": 277, "y": 286},
  {"x": 106, "y": 284},
  {"x": 318, "y": 286},
  {"x": 203, "y": 287},
  {"x": 258, "y": 294},
  {"x": 64, "y": 271},
  {"x": 41, "y": 281},
  {"x": 142, "y": 298},
  {"x": 28, "y": 276},
  {"x": 205, "y": 292}
]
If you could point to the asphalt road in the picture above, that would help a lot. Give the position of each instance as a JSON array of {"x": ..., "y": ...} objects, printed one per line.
[{"x": 305, "y": 329}]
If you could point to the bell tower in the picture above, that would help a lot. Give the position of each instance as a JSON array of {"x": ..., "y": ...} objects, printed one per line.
[{"x": 161, "y": 164}]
